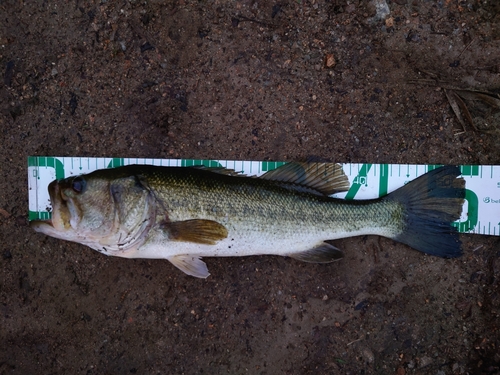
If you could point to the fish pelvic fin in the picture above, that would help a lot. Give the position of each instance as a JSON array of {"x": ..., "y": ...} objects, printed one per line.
[
  {"x": 431, "y": 203},
  {"x": 323, "y": 253},
  {"x": 200, "y": 231},
  {"x": 191, "y": 265},
  {"x": 323, "y": 178}
]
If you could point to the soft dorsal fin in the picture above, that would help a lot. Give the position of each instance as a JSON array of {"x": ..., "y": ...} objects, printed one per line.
[{"x": 326, "y": 178}]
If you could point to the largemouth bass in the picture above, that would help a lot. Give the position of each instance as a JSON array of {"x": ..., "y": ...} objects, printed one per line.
[{"x": 184, "y": 214}]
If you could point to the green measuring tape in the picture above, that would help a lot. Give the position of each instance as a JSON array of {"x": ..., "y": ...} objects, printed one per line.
[{"x": 481, "y": 213}]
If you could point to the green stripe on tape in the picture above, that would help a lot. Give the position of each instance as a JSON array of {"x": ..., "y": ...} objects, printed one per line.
[
  {"x": 198, "y": 162},
  {"x": 37, "y": 161},
  {"x": 116, "y": 162},
  {"x": 360, "y": 179},
  {"x": 270, "y": 165},
  {"x": 384, "y": 179}
]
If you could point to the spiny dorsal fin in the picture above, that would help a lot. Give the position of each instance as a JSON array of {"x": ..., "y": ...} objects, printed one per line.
[
  {"x": 201, "y": 231},
  {"x": 220, "y": 170},
  {"x": 191, "y": 265},
  {"x": 326, "y": 178},
  {"x": 323, "y": 253}
]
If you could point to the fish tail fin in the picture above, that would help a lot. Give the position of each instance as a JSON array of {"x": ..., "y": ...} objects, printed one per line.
[{"x": 431, "y": 204}]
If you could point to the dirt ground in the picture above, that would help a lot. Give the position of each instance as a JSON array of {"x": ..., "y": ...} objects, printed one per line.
[{"x": 348, "y": 81}]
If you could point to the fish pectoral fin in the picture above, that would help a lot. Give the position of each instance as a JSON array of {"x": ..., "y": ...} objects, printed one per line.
[
  {"x": 191, "y": 265},
  {"x": 323, "y": 253},
  {"x": 200, "y": 231}
]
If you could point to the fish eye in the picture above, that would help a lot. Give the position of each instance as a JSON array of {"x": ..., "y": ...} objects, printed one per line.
[{"x": 78, "y": 185}]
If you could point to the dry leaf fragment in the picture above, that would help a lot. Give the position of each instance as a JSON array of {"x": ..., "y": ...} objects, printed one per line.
[
  {"x": 4, "y": 213},
  {"x": 453, "y": 99},
  {"x": 330, "y": 60}
]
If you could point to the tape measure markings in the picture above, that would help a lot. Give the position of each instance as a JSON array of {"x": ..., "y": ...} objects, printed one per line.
[{"x": 481, "y": 212}]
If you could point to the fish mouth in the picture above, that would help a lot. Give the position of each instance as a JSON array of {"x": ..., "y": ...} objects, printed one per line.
[
  {"x": 38, "y": 225},
  {"x": 59, "y": 225},
  {"x": 60, "y": 213},
  {"x": 60, "y": 221},
  {"x": 46, "y": 227},
  {"x": 41, "y": 225}
]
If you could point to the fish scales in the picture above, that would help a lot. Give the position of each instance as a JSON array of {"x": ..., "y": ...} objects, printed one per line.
[{"x": 257, "y": 205}]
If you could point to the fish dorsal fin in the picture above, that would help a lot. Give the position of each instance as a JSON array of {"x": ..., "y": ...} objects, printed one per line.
[
  {"x": 323, "y": 253},
  {"x": 200, "y": 231},
  {"x": 325, "y": 178},
  {"x": 220, "y": 170},
  {"x": 191, "y": 265}
]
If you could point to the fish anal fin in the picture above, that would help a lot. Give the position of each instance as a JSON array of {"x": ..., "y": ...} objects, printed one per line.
[
  {"x": 191, "y": 265},
  {"x": 323, "y": 253},
  {"x": 200, "y": 231},
  {"x": 325, "y": 178}
]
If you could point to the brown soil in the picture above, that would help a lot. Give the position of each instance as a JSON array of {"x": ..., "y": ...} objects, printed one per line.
[{"x": 244, "y": 80}]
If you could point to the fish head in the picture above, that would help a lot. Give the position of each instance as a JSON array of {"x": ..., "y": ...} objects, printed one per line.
[{"x": 105, "y": 211}]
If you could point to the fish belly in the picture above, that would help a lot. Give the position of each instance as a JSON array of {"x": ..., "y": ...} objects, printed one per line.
[{"x": 252, "y": 242}]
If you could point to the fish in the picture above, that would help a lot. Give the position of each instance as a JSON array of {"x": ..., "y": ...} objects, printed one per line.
[{"x": 183, "y": 214}]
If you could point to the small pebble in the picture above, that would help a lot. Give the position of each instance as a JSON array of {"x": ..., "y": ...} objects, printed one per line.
[
  {"x": 425, "y": 361},
  {"x": 368, "y": 355}
]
